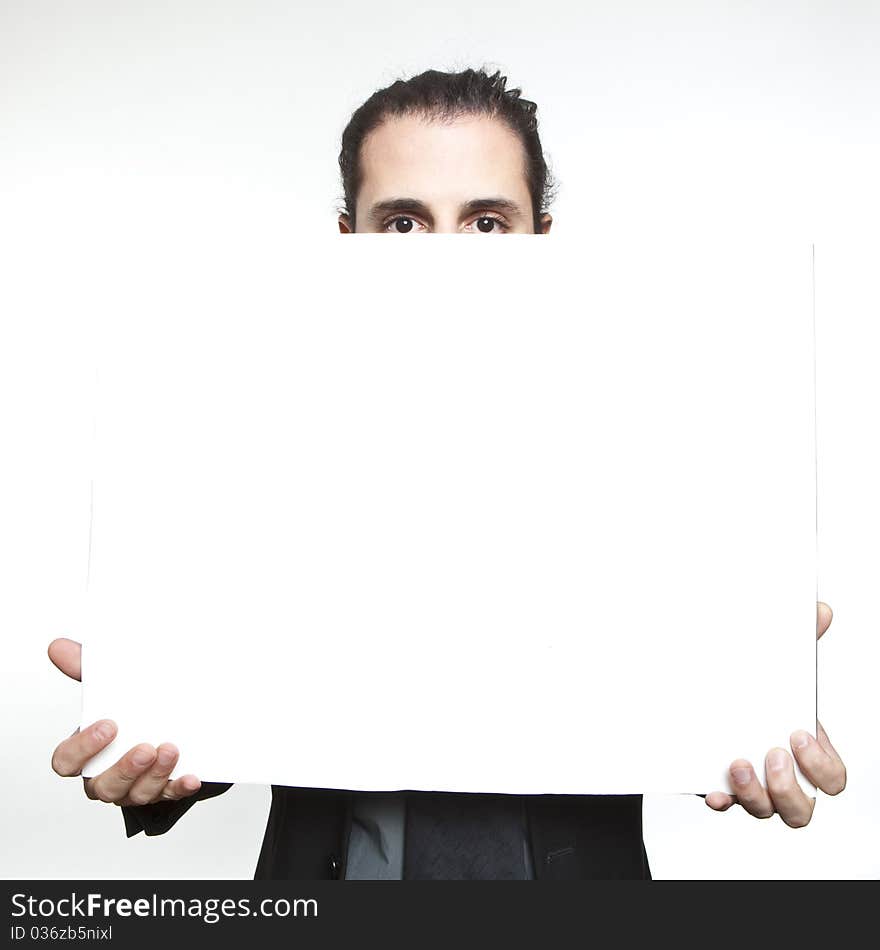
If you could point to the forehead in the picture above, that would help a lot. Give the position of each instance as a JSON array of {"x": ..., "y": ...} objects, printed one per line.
[{"x": 436, "y": 159}]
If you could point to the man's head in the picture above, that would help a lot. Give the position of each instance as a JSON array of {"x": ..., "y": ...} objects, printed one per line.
[{"x": 445, "y": 152}]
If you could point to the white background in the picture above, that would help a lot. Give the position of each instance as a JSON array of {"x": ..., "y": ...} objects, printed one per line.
[{"x": 123, "y": 118}]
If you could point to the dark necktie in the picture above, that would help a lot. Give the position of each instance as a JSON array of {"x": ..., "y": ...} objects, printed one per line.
[{"x": 472, "y": 837}]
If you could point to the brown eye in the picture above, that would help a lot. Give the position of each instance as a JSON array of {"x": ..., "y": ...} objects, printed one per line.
[
  {"x": 403, "y": 225},
  {"x": 485, "y": 224}
]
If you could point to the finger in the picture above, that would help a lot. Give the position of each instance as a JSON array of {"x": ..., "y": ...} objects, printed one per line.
[
  {"x": 824, "y": 616},
  {"x": 67, "y": 656},
  {"x": 794, "y": 808},
  {"x": 821, "y": 764},
  {"x": 750, "y": 793},
  {"x": 181, "y": 787},
  {"x": 823, "y": 770},
  {"x": 114, "y": 784},
  {"x": 148, "y": 788},
  {"x": 825, "y": 742},
  {"x": 70, "y": 756},
  {"x": 720, "y": 801}
]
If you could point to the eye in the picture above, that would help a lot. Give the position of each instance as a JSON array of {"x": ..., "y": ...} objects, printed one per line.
[
  {"x": 402, "y": 224},
  {"x": 488, "y": 224}
]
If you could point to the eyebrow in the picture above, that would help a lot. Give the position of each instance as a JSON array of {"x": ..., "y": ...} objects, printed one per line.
[
  {"x": 399, "y": 205},
  {"x": 391, "y": 205},
  {"x": 498, "y": 204}
]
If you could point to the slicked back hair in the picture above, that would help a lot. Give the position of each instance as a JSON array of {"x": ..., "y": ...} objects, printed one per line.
[{"x": 448, "y": 96}]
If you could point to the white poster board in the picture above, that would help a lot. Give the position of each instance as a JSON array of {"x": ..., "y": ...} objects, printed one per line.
[{"x": 533, "y": 515}]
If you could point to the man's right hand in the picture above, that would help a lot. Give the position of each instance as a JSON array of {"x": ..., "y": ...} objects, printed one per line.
[{"x": 140, "y": 777}]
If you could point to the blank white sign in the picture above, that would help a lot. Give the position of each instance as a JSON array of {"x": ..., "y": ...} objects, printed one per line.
[{"x": 533, "y": 515}]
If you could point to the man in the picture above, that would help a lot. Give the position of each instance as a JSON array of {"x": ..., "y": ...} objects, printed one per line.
[{"x": 439, "y": 153}]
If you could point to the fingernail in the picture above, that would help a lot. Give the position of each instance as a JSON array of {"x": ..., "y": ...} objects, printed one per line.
[
  {"x": 105, "y": 730},
  {"x": 776, "y": 761},
  {"x": 141, "y": 757},
  {"x": 741, "y": 776},
  {"x": 166, "y": 757},
  {"x": 800, "y": 740}
]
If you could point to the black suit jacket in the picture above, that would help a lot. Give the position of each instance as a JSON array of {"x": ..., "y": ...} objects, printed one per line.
[{"x": 572, "y": 836}]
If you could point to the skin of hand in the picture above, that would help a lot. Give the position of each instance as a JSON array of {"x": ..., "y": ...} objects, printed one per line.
[
  {"x": 140, "y": 777},
  {"x": 817, "y": 758}
]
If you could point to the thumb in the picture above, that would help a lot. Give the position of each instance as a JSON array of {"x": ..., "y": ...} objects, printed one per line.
[
  {"x": 823, "y": 618},
  {"x": 67, "y": 656}
]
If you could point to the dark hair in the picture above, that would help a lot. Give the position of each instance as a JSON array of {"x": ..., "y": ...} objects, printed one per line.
[{"x": 440, "y": 95}]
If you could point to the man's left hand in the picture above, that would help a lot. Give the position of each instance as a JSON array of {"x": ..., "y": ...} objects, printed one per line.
[{"x": 816, "y": 757}]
